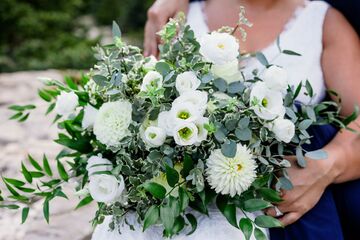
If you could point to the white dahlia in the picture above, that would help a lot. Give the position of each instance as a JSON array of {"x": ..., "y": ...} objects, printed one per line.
[
  {"x": 165, "y": 122},
  {"x": 112, "y": 122},
  {"x": 284, "y": 129},
  {"x": 231, "y": 175},
  {"x": 66, "y": 103}
]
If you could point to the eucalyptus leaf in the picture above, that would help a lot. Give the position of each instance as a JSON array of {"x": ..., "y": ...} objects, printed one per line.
[
  {"x": 317, "y": 154},
  {"x": 262, "y": 59},
  {"x": 228, "y": 149}
]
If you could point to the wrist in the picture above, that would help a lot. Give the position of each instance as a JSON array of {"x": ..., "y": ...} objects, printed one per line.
[{"x": 335, "y": 156}]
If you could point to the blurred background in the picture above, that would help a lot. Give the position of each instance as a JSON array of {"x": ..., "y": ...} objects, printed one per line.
[{"x": 48, "y": 38}]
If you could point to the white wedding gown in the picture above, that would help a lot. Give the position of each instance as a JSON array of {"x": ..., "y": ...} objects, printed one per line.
[{"x": 302, "y": 34}]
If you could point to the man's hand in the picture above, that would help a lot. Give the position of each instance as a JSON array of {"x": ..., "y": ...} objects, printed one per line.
[{"x": 158, "y": 15}]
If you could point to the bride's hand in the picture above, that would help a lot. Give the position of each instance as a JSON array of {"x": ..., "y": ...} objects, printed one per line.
[
  {"x": 158, "y": 14},
  {"x": 309, "y": 184}
]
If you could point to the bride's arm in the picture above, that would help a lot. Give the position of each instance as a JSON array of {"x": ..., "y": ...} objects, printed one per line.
[{"x": 341, "y": 67}]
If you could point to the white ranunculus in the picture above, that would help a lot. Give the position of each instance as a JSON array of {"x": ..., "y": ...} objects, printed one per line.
[
  {"x": 198, "y": 98},
  {"x": 202, "y": 132},
  {"x": 184, "y": 112},
  {"x": 267, "y": 103},
  {"x": 154, "y": 136},
  {"x": 166, "y": 122},
  {"x": 231, "y": 176},
  {"x": 187, "y": 81},
  {"x": 106, "y": 188},
  {"x": 98, "y": 164},
  {"x": 186, "y": 134},
  {"x": 228, "y": 71},
  {"x": 66, "y": 103},
  {"x": 283, "y": 129},
  {"x": 276, "y": 78},
  {"x": 152, "y": 79},
  {"x": 89, "y": 116},
  {"x": 150, "y": 63},
  {"x": 219, "y": 48},
  {"x": 112, "y": 122}
]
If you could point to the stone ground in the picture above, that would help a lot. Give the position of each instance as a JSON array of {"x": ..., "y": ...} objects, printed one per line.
[{"x": 34, "y": 136}]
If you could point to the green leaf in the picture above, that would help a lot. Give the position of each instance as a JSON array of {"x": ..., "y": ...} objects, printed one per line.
[
  {"x": 116, "y": 32},
  {"x": 236, "y": 87},
  {"x": 244, "y": 123},
  {"x": 85, "y": 201},
  {"x": 270, "y": 194},
  {"x": 34, "y": 163},
  {"x": 351, "y": 117},
  {"x": 163, "y": 68},
  {"x": 246, "y": 227},
  {"x": 220, "y": 84},
  {"x": 45, "y": 96},
  {"x": 262, "y": 59},
  {"x": 63, "y": 174},
  {"x": 228, "y": 210},
  {"x": 183, "y": 198},
  {"x": 243, "y": 134},
  {"x": 35, "y": 174},
  {"x": 253, "y": 205},
  {"x": 311, "y": 113},
  {"x": 24, "y": 214},
  {"x": 10, "y": 206},
  {"x": 285, "y": 183},
  {"x": 151, "y": 217},
  {"x": 14, "y": 182},
  {"x": 305, "y": 124},
  {"x": 231, "y": 124},
  {"x": 11, "y": 190},
  {"x": 289, "y": 52},
  {"x": 46, "y": 210},
  {"x": 309, "y": 88},
  {"x": 317, "y": 154},
  {"x": 193, "y": 222},
  {"x": 46, "y": 166},
  {"x": 172, "y": 176},
  {"x": 155, "y": 189},
  {"x": 300, "y": 157},
  {"x": 228, "y": 149},
  {"x": 267, "y": 221},
  {"x": 297, "y": 90},
  {"x": 24, "y": 118},
  {"x": 100, "y": 80},
  {"x": 178, "y": 225},
  {"x": 167, "y": 217},
  {"x": 188, "y": 165},
  {"x": 26, "y": 173},
  {"x": 24, "y": 189},
  {"x": 259, "y": 235},
  {"x": 15, "y": 116},
  {"x": 71, "y": 83}
]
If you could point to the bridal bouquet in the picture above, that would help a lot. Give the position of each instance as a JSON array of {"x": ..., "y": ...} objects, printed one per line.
[{"x": 161, "y": 137}]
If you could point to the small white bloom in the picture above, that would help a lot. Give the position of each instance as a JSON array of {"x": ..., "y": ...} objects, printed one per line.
[
  {"x": 106, "y": 188},
  {"x": 186, "y": 134},
  {"x": 187, "y": 81},
  {"x": 284, "y": 129},
  {"x": 276, "y": 78},
  {"x": 152, "y": 79},
  {"x": 267, "y": 103},
  {"x": 98, "y": 164},
  {"x": 82, "y": 192},
  {"x": 197, "y": 98},
  {"x": 124, "y": 78},
  {"x": 89, "y": 116},
  {"x": 112, "y": 122},
  {"x": 228, "y": 71},
  {"x": 66, "y": 103},
  {"x": 202, "y": 132},
  {"x": 166, "y": 122},
  {"x": 231, "y": 176},
  {"x": 150, "y": 63},
  {"x": 219, "y": 48},
  {"x": 154, "y": 136},
  {"x": 184, "y": 112}
]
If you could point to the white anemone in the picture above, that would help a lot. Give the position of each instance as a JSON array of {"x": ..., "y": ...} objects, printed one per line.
[
  {"x": 197, "y": 98},
  {"x": 154, "y": 136},
  {"x": 186, "y": 134},
  {"x": 276, "y": 78},
  {"x": 152, "y": 79}
]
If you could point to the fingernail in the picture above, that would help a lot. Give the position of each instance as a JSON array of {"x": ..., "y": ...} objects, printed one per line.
[{"x": 146, "y": 53}]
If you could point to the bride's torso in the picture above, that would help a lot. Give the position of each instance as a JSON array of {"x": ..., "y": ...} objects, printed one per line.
[{"x": 301, "y": 34}]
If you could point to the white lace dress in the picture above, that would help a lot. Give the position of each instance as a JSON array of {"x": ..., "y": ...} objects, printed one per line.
[{"x": 302, "y": 34}]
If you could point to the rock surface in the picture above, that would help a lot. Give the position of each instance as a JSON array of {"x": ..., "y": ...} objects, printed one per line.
[{"x": 34, "y": 136}]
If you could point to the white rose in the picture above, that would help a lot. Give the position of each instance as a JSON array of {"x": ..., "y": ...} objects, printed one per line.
[
  {"x": 151, "y": 79},
  {"x": 89, "y": 116},
  {"x": 276, "y": 78},
  {"x": 267, "y": 103},
  {"x": 184, "y": 112},
  {"x": 219, "y": 48},
  {"x": 187, "y": 81},
  {"x": 112, "y": 122},
  {"x": 166, "y": 122},
  {"x": 154, "y": 136},
  {"x": 98, "y": 164},
  {"x": 228, "y": 71},
  {"x": 202, "y": 132},
  {"x": 66, "y": 103},
  {"x": 106, "y": 188},
  {"x": 283, "y": 129},
  {"x": 150, "y": 63},
  {"x": 198, "y": 98},
  {"x": 186, "y": 134}
]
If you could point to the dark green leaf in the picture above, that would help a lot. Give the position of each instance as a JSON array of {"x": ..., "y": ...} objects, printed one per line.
[
  {"x": 155, "y": 189},
  {"x": 352, "y": 117},
  {"x": 15, "y": 116},
  {"x": 35, "y": 174},
  {"x": 228, "y": 210},
  {"x": 12, "y": 190},
  {"x": 163, "y": 68},
  {"x": 259, "y": 235},
  {"x": 46, "y": 210},
  {"x": 229, "y": 149},
  {"x": 10, "y": 206},
  {"x": 14, "y": 182},
  {"x": 253, "y": 205},
  {"x": 85, "y": 201},
  {"x": 24, "y": 118},
  {"x": 246, "y": 227},
  {"x": 63, "y": 174},
  {"x": 172, "y": 176},
  {"x": 183, "y": 198},
  {"x": 71, "y": 83},
  {"x": 270, "y": 194},
  {"x": 267, "y": 221},
  {"x": 188, "y": 165},
  {"x": 45, "y": 96},
  {"x": 151, "y": 217},
  {"x": 178, "y": 225},
  {"x": 193, "y": 222},
  {"x": 34, "y": 163},
  {"x": 262, "y": 59},
  {"x": 309, "y": 88},
  {"x": 46, "y": 166},
  {"x": 24, "y": 214},
  {"x": 27, "y": 190},
  {"x": 26, "y": 173},
  {"x": 289, "y": 52}
]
